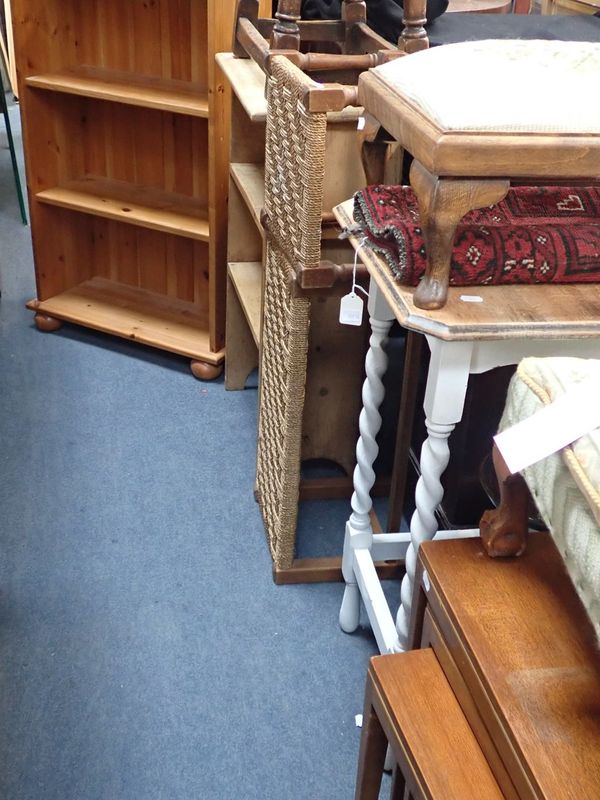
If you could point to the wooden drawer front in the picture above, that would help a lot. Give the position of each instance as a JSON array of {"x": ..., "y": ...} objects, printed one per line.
[{"x": 439, "y": 634}]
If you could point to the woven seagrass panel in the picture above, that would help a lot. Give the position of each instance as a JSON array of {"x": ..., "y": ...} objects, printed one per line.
[
  {"x": 283, "y": 377},
  {"x": 294, "y": 165},
  {"x": 294, "y": 169}
]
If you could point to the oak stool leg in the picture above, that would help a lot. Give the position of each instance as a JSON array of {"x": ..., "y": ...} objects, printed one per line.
[
  {"x": 442, "y": 204},
  {"x": 359, "y": 532},
  {"x": 504, "y": 530}
]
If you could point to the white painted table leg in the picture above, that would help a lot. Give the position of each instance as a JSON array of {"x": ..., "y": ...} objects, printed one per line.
[
  {"x": 359, "y": 533},
  {"x": 444, "y": 402}
]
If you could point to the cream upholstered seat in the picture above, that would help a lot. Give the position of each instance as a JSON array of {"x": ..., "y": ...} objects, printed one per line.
[
  {"x": 545, "y": 86},
  {"x": 566, "y": 485}
]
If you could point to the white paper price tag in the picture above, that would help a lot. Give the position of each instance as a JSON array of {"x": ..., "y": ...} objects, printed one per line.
[{"x": 351, "y": 309}]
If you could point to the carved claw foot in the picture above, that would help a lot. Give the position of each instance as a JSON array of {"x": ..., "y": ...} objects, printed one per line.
[
  {"x": 204, "y": 371},
  {"x": 47, "y": 324},
  {"x": 503, "y": 531}
]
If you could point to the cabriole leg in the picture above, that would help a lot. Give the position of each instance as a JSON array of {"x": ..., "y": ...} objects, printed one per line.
[
  {"x": 504, "y": 530},
  {"x": 442, "y": 204}
]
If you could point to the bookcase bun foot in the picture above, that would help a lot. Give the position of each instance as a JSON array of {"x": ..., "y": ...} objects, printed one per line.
[
  {"x": 47, "y": 324},
  {"x": 205, "y": 371}
]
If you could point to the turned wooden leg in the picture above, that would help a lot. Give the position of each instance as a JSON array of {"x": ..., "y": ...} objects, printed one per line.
[
  {"x": 442, "y": 204},
  {"x": 414, "y": 36},
  {"x": 47, "y": 324},
  {"x": 204, "y": 371},
  {"x": 286, "y": 33},
  {"x": 504, "y": 530}
]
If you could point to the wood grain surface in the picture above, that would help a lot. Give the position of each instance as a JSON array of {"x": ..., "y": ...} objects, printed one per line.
[{"x": 527, "y": 652}]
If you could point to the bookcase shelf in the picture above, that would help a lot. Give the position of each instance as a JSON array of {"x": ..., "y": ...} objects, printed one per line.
[
  {"x": 135, "y": 314},
  {"x": 123, "y": 87},
  {"x": 136, "y": 205}
]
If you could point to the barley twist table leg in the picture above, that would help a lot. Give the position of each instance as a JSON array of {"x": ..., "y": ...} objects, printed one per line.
[
  {"x": 423, "y": 525},
  {"x": 359, "y": 533},
  {"x": 447, "y": 380}
]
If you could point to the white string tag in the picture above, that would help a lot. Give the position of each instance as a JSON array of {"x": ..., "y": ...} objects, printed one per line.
[
  {"x": 351, "y": 305},
  {"x": 351, "y": 309}
]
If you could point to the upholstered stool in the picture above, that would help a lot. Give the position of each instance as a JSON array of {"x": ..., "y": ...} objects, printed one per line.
[
  {"x": 565, "y": 485},
  {"x": 410, "y": 706},
  {"x": 471, "y": 136}
]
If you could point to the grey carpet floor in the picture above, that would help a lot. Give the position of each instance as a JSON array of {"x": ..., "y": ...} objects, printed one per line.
[{"x": 145, "y": 653}]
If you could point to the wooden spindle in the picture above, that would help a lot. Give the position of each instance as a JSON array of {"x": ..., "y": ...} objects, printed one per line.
[
  {"x": 414, "y": 35},
  {"x": 286, "y": 33}
]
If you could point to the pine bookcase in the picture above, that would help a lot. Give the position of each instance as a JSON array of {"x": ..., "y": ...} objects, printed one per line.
[{"x": 126, "y": 130}]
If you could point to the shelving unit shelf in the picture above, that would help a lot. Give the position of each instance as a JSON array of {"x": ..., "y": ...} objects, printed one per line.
[
  {"x": 126, "y": 136},
  {"x": 136, "y": 205},
  {"x": 246, "y": 278},
  {"x": 250, "y": 180},
  {"x": 131, "y": 313},
  {"x": 178, "y": 97}
]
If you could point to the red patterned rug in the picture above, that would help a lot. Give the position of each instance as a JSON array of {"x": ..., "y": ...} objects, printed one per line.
[{"x": 547, "y": 234}]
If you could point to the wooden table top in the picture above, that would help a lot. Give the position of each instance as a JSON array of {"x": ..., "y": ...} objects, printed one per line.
[
  {"x": 534, "y": 649},
  {"x": 548, "y": 311}
]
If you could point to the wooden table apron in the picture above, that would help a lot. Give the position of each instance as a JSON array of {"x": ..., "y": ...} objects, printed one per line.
[{"x": 452, "y": 361}]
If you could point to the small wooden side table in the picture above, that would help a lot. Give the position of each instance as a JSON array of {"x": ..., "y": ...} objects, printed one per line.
[
  {"x": 479, "y": 328},
  {"x": 520, "y": 654}
]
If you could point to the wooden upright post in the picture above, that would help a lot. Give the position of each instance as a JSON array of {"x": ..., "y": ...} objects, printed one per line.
[
  {"x": 414, "y": 35},
  {"x": 286, "y": 33},
  {"x": 353, "y": 12}
]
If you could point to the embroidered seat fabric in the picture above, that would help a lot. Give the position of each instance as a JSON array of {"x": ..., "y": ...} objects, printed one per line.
[
  {"x": 535, "y": 235},
  {"x": 450, "y": 86}
]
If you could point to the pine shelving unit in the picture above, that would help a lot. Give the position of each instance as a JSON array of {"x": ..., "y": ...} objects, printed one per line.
[{"x": 126, "y": 128}]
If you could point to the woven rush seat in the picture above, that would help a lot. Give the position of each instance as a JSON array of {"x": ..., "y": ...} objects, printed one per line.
[
  {"x": 534, "y": 235},
  {"x": 565, "y": 485},
  {"x": 540, "y": 122}
]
